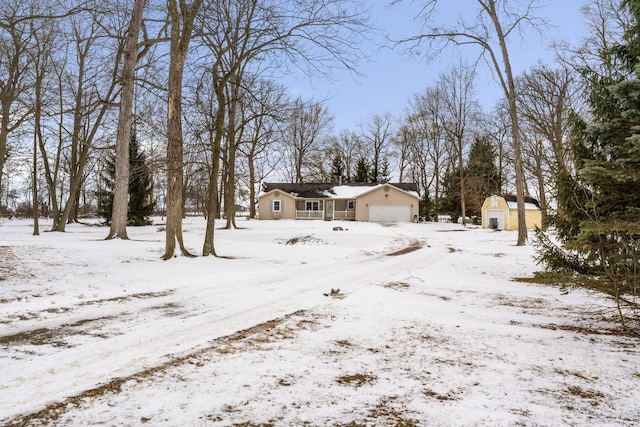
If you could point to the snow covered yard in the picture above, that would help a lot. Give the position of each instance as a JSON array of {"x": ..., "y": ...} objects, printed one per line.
[{"x": 428, "y": 328}]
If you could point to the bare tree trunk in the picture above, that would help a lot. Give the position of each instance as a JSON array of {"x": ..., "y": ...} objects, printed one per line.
[
  {"x": 181, "y": 18},
  {"x": 543, "y": 198},
  {"x": 36, "y": 212},
  {"x": 463, "y": 208},
  {"x": 82, "y": 145},
  {"x": 121, "y": 191},
  {"x": 51, "y": 175},
  {"x": 4, "y": 136},
  {"x": 230, "y": 194},
  {"x": 208, "y": 247},
  {"x": 484, "y": 36},
  {"x": 252, "y": 186},
  {"x": 510, "y": 91}
]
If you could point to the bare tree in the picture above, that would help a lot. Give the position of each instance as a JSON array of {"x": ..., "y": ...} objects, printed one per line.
[
  {"x": 306, "y": 124},
  {"x": 313, "y": 34},
  {"x": 181, "y": 18},
  {"x": 85, "y": 95},
  {"x": 119, "y": 215},
  {"x": 536, "y": 160},
  {"x": 428, "y": 141},
  {"x": 348, "y": 145},
  {"x": 376, "y": 135},
  {"x": 459, "y": 111},
  {"x": 606, "y": 22},
  {"x": 545, "y": 103},
  {"x": 15, "y": 62},
  {"x": 494, "y": 22},
  {"x": 263, "y": 132},
  {"x": 497, "y": 126},
  {"x": 402, "y": 141},
  {"x": 44, "y": 39}
]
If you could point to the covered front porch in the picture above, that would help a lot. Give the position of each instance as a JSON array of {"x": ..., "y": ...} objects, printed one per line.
[{"x": 325, "y": 209}]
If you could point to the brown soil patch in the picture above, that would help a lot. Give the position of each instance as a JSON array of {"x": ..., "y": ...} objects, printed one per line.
[
  {"x": 414, "y": 245},
  {"x": 53, "y": 411}
]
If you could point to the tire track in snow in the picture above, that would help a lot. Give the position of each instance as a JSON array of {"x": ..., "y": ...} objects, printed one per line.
[{"x": 145, "y": 341}]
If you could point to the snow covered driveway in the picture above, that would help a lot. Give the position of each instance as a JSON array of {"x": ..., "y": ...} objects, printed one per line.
[{"x": 438, "y": 334}]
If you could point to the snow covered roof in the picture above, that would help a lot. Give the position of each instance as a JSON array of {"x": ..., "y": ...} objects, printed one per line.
[
  {"x": 333, "y": 191},
  {"x": 529, "y": 202},
  {"x": 527, "y": 206}
]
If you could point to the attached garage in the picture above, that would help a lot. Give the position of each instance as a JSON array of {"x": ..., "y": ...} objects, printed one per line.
[
  {"x": 388, "y": 202},
  {"x": 389, "y": 213}
]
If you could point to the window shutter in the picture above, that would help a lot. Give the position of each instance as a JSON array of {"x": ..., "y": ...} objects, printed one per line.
[{"x": 270, "y": 205}]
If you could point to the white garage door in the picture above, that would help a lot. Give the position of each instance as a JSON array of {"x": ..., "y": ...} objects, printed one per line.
[
  {"x": 495, "y": 219},
  {"x": 389, "y": 213}
]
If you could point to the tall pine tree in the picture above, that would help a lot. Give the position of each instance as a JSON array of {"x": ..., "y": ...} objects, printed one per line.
[
  {"x": 482, "y": 175},
  {"x": 362, "y": 171},
  {"x": 450, "y": 200},
  {"x": 601, "y": 205},
  {"x": 141, "y": 204},
  {"x": 337, "y": 168}
]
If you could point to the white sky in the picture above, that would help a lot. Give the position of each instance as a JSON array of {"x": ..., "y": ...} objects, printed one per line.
[{"x": 391, "y": 79}]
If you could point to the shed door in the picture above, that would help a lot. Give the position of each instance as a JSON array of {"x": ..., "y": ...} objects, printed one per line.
[
  {"x": 496, "y": 217},
  {"x": 389, "y": 213}
]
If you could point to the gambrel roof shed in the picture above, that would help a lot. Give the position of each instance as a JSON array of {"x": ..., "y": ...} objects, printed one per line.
[{"x": 501, "y": 212}]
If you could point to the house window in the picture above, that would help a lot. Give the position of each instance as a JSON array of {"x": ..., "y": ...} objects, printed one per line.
[
  {"x": 351, "y": 205},
  {"x": 312, "y": 205},
  {"x": 494, "y": 201},
  {"x": 277, "y": 206}
]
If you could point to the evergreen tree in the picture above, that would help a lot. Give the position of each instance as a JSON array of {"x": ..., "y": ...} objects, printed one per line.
[
  {"x": 104, "y": 194},
  {"x": 141, "y": 204},
  {"x": 450, "y": 199},
  {"x": 384, "y": 175},
  {"x": 482, "y": 175},
  {"x": 482, "y": 179},
  {"x": 425, "y": 206},
  {"x": 362, "y": 171},
  {"x": 572, "y": 194},
  {"x": 337, "y": 168},
  {"x": 600, "y": 226}
]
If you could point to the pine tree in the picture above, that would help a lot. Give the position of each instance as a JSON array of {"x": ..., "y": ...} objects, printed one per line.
[
  {"x": 450, "y": 199},
  {"x": 600, "y": 222},
  {"x": 362, "y": 171},
  {"x": 141, "y": 204},
  {"x": 482, "y": 175},
  {"x": 384, "y": 175},
  {"x": 337, "y": 168},
  {"x": 104, "y": 194}
]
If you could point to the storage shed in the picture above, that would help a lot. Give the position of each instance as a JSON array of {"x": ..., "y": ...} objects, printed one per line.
[{"x": 501, "y": 212}]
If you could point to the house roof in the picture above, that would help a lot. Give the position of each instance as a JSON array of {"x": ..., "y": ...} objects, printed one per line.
[{"x": 332, "y": 191}]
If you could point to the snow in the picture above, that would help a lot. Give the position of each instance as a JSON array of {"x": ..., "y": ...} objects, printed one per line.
[
  {"x": 527, "y": 206},
  {"x": 428, "y": 328},
  {"x": 349, "y": 191},
  {"x": 352, "y": 192}
]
